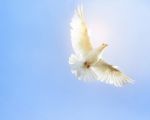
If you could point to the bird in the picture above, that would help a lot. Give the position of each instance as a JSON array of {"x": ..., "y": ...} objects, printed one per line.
[{"x": 86, "y": 62}]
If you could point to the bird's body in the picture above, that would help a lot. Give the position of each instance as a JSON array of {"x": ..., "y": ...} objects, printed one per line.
[{"x": 87, "y": 62}]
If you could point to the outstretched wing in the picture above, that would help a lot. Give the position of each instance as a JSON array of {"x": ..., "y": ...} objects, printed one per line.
[
  {"x": 79, "y": 34},
  {"x": 110, "y": 74}
]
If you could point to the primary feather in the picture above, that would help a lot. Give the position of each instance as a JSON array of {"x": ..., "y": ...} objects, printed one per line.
[
  {"x": 79, "y": 34},
  {"x": 87, "y": 63},
  {"x": 110, "y": 74}
]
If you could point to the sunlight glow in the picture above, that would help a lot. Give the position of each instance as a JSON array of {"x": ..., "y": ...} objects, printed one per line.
[{"x": 98, "y": 32}]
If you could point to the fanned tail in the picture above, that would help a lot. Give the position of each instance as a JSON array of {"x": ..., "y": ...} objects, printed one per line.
[{"x": 81, "y": 72}]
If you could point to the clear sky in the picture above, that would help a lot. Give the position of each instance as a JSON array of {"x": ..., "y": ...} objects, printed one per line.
[{"x": 35, "y": 78}]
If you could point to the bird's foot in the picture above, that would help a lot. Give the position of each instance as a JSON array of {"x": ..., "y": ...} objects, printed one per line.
[{"x": 104, "y": 45}]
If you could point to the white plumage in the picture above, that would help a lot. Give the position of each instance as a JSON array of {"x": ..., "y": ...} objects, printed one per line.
[{"x": 87, "y": 63}]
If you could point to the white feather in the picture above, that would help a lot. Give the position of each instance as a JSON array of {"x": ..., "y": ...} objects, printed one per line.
[
  {"x": 86, "y": 63},
  {"x": 110, "y": 75},
  {"x": 79, "y": 34},
  {"x": 79, "y": 70}
]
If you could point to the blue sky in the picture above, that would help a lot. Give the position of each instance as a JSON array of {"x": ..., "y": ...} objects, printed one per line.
[{"x": 35, "y": 78}]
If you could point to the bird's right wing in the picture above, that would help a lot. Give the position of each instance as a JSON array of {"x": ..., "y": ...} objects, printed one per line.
[
  {"x": 79, "y": 34},
  {"x": 110, "y": 74}
]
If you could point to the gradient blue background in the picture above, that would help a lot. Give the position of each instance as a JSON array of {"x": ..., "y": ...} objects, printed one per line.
[{"x": 35, "y": 78}]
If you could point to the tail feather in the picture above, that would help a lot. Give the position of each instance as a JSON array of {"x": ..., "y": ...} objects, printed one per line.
[{"x": 81, "y": 72}]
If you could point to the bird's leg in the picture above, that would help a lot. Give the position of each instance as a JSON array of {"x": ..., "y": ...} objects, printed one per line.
[
  {"x": 101, "y": 48},
  {"x": 86, "y": 65}
]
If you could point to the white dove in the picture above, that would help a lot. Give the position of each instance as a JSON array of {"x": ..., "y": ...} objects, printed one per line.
[{"x": 87, "y": 63}]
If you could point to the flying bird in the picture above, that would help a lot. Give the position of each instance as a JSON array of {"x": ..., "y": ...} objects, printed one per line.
[{"x": 86, "y": 62}]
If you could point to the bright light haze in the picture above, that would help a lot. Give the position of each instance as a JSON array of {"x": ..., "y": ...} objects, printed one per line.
[{"x": 35, "y": 78}]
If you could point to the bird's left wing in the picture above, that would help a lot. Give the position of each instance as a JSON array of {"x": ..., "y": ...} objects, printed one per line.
[
  {"x": 110, "y": 74},
  {"x": 79, "y": 34}
]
